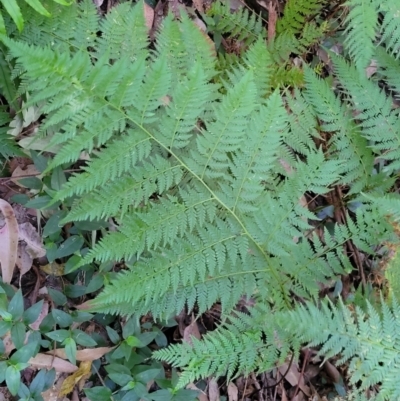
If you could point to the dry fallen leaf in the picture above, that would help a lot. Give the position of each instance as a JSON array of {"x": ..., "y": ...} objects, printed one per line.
[
  {"x": 8, "y": 241},
  {"x": 148, "y": 15},
  {"x": 52, "y": 393},
  {"x": 88, "y": 354},
  {"x": 24, "y": 260},
  {"x": 191, "y": 331},
  {"x": 80, "y": 375},
  {"x": 213, "y": 390},
  {"x": 49, "y": 361},
  {"x": 233, "y": 394},
  {"x": 18, "y": 173},
  {"x": 293, "y": 376},
  {"x": 31, "y": 237},
  {"x": 43, "y": 313},
  {"x": 199, "y": 6},
  {"x": 202, "y": 396}
]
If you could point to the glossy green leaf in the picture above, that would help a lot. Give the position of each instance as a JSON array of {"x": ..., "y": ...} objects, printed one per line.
[
  {"x": 58, "y": 297},
  {"x": 120, "y": 378},
  {"x": 58, "y": 178},
  {"x": 70, "y": 349},
  {"x": 130, "y": 396},
  {"x": 131, "y": 327},
  {"x": 113, "y": 335},
  {"x": 2, "y": 25},
  {"x": 70, "y": 246},
  {"x": 74, "y": 290},
  {"x": 18, "y": 334},
  {"x": 64, "y": 2},
  {"x": 13, "y": 379},
  {"x": 37, "y": 6},
  {"x": 62, "y": 318},
  {"x": 146, "y": 338},
  {"x": 42, "y": 381},
  {"x": 32, "y": 313},
  {"x": 52, "y": 226},
  {"x": 31, "y": 182},
  {"x": 83, "y": 339},
  {"x": 39, "y": 160},
  {"x": 95, "y": 283},
  {"x": 98, "y": 393},
  {"x": 16, "y": 305},
  {"x": 81, "y": 316},
  {"x": 4, "y": 327},
  {"x": 14, "y": 11},
  {"x": 147, "y": 375},
  {"x": 40, "y": 202},
  {"x": 123, "y": 351},
  {"x": 59, "y": 335},
  {"x": 24, "y": 354}
]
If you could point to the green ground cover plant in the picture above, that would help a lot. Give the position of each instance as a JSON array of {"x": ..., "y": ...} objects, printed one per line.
[{"x": 208, "y": 174}]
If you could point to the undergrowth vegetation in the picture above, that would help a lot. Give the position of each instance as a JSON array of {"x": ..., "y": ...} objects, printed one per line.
[{"x": 255, "y": 180}]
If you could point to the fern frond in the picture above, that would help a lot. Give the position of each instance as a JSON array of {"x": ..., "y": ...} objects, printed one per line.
[
  {"x": 302, "y": 127},
  {"x": 242, "y": 24},
  {"x": 361, "y": 30},
  {"x": 378, "y": 122},
  {"x": 283, "y": 45},
  {"x": 390, "y": 27},
  {"x": 69, "y": 27},
  {"x": 8, "y": 145},
  {"x": 237, "y": 344},
  {"x": 365, "y": 339},
  {"x": 296, "y": 14},
  {"x": 123, "y": 32},
  {"x": 389, "y": 69},
  {"x": 347, "y": 143}
]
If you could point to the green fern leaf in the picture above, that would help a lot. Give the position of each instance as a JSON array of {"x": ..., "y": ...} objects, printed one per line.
[
  {"x": 362, "y": 25},
  {"x": 363, "y": 339}
]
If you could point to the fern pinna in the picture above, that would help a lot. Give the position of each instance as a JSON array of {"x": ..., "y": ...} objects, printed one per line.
[{"x": 204, "y": 174}]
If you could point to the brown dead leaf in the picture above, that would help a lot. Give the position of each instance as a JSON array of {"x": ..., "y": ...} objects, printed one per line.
[
  {"x": 18, "y": 173},
  {"x": 49, "y": 361},
  {"x": 31, "y": 237},
  {"x": 8, "y": 344},
  {"x": 30, "y": 247},
  {"x": 272, "y": 19},
  {"x": 84, "y": 306},
  {"x": 24, "y": 260},
  {"x": 75, "y": 395},
  {"x": 84, "y": 355},
  {"x": 372, "y": 68},
  {"x": 199, "y": 6},
  {"x": 332, "y": 372},
  {"x": 233, "y": 393},
  {"x": 52, "y": 393},
  {"x": 191, "y": 331},
  {"x": 293, "y": 376},
  {"x": 213, "y": 390},
  {"x": 43, "y": 313},
  {"x": 8, "y": 241},
  {"x": 200, "y": 23},
  {"x": 148, "y": 15},
  {"x": 5, "y": 394},
  {"x": 77, "y": 377},
  {"x": 202, "y": 396}
]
